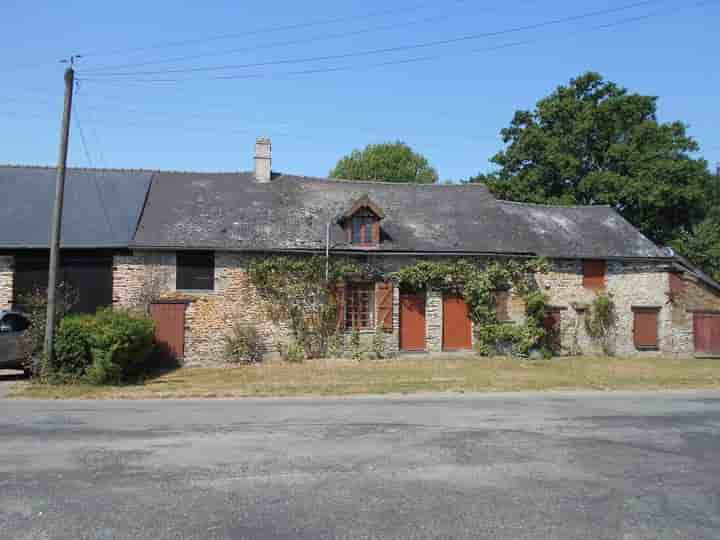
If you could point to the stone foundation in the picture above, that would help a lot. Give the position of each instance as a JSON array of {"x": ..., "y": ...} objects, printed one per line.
[{"x": 7, "y": 263}]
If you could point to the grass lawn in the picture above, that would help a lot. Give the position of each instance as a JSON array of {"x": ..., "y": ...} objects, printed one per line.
[{"x": 455, "y": 374}]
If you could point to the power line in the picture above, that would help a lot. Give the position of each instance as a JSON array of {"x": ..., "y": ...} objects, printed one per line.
[
  {"x": 276, "y": 44},
  {"x": 94, "y": 175},
  {"x": 122, "y": 82},
  {"x": 265, "y": 30},
  {"x": 385, "y": 50}
]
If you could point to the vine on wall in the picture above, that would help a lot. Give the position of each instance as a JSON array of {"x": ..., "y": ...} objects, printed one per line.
[
  {"x": 600, "y": 322},
  {"x": 298, "y": 290},
  {"x": 478, "y": 285}
]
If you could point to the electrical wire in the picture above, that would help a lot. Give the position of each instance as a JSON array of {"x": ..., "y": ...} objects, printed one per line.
[
  {"x": 267, "y": 30},
  {"x": 93, "y": 174},
  {"x": 123, "y": 82},
  {"x": 385, "y": 50}
]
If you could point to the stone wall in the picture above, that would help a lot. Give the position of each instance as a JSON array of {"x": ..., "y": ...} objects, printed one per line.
[
  {"x": 211, "y": 315},
  {"x": 694, "y": 296},
  {"x": 629, "y": 285},
  {"x": 6, "y": 280}
]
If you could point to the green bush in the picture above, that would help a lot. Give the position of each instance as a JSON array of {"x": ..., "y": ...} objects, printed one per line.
[
  {"x": 73, "y": 345},
  {"x": 295, "y": 352},
  {"x": 107, "y": 347},
  {"x": 243, "y": 345}
]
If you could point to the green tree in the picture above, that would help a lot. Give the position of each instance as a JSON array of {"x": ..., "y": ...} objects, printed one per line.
[
  {"x": 701, "y": 245},
  {"x": 387, "y": 162},
  {"x": 592, "y": 142}
]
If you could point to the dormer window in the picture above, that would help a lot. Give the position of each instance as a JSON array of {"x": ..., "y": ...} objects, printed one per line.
[{"x": 362, "y": 223}]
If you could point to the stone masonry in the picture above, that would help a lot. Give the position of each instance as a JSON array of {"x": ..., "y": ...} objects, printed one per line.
[
  {"x": 210, "y": 315},
  {"x": 6, "y": 280}
]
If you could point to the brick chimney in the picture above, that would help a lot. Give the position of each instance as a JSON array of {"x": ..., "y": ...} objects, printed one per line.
[{"x": 263, "y": 160}]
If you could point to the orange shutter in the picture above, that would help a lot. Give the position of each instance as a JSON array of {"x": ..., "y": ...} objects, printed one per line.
[
  {"x": 645, "y": 329},
  {"x": 593, "y": 274},
  {"x": 340, "y": 305},
  {"x": 677, "y": 285},
  {"x": 376, "y": 232},
  {"x": 384, "y": 302}
]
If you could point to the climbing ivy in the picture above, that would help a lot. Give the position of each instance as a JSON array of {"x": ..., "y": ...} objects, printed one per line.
[
  {"x": 299, "y": 290},
  {"x": 478, "y": 285},
  {"x": 600, "y": 322}
]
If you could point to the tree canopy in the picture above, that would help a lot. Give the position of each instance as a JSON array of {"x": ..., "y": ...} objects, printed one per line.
[
  {"x": 593, "y": 142},
  {"x": 388, "y": 162}
]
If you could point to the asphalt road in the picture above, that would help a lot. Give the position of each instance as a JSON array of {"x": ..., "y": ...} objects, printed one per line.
[{"x": 580, "y": 465}]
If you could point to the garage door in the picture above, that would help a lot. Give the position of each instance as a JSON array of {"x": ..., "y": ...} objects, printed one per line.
[{"x": 707, "y": 333}]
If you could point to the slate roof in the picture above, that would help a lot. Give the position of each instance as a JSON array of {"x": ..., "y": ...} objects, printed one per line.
[
  {"x": 232, "y": 211},
  {"x": 27, "y": 199}
]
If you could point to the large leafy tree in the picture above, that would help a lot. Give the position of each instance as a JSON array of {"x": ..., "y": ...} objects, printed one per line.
[
  {"x": 593, "y": 142},
  {"x": 388, "y": 162}
]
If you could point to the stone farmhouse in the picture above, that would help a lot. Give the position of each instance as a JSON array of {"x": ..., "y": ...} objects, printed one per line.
[{"x": 188, "y": 239}]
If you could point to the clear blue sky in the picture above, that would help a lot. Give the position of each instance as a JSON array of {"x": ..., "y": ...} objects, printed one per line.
[{"x": 449, "y": 108}]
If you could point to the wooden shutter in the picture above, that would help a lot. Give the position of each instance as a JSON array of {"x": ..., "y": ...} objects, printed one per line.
[
  {"x": 375, "y": 231},
  {"x": 594, "y": 274},
  {"x": 677, "y": 285},
  {"x": 340, "y": 305},
  {"x": 645, "y": 328},
  {"x": 384, "y": 302},
  {"x": 502, "y": 305}
]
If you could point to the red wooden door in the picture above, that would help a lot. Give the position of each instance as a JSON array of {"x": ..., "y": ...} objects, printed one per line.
[
  {"x": 169, "y": 328},
  {"x": 707, "y": 333},
  {"x": 412, "y": 322},
  {"x": 457, "y": 327}
]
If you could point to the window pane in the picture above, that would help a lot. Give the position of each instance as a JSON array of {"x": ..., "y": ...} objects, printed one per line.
[{"x": 359, "y": 307}]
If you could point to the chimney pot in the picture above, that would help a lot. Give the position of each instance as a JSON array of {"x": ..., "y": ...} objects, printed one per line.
[{"x": 263, "y": 159}]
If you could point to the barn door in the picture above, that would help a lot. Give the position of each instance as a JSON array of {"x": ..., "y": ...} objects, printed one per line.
[
  {"x": 457, "y": 327},
  {"x": 706, "y": 328},
  {"x": 169, "y": 329},
  {"x": 412, "y": 321}
]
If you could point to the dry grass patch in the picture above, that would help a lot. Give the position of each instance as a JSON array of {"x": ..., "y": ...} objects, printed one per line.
[{"x": 453, "y": 374}]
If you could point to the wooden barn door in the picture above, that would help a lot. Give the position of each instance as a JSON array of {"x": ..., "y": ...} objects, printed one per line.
[
  {"x": 169, "y": 328},
  {"x": 457, "y": 327},
  {"x": 412, "y": 321},
  {"x": 707, "y": 333}
]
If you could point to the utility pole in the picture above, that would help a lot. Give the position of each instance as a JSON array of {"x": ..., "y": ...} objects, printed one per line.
[{"x": 56, "y": 224}]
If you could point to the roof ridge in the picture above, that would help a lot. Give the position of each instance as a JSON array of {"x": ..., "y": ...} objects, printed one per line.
[
  {"x": 472, "y": 185},
  {"x": 518, "y": 203}
]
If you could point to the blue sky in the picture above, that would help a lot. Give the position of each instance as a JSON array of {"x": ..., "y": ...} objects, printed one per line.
[{"x": 450, "y": 108}]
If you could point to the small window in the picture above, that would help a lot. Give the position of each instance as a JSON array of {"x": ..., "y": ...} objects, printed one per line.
[
  {"x": 360, "y": 306},
  {"x": 362, "y": 225},
  {"x": 594, "y": 274},
  {"x": 645, "y": 327},
  {"x": 195, "y": 271}
]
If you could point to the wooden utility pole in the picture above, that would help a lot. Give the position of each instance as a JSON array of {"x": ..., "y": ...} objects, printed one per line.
[{"x": 56, "y": 224}]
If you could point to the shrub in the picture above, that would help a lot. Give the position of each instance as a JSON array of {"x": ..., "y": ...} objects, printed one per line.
[
  {"x": 108, "y": 347},
  {"x": 335, "y": 348},
  {"x": 378, "y": 343},
  {"x": 121, "y": 343},
  {"x": 600, "y": 322},
  {"x": 355, "y": 349},
  {"x": 295, "y": 352},
  {"x": 73, "y": 345},
  {"x": 243, "y": 345}
]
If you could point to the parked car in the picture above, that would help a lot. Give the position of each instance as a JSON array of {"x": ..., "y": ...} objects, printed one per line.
[{"x": 13, "y": 325}]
